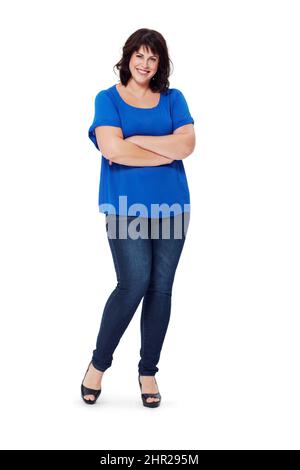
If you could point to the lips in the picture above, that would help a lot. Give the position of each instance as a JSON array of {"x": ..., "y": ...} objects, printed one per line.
[{"x": 144, "y": 72}]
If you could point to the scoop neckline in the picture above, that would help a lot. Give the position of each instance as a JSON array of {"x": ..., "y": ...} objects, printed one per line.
[{"x": 135, "y": 107}]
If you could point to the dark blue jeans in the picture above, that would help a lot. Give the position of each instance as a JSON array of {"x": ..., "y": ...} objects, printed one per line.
[{"x": 145, "y": 269}]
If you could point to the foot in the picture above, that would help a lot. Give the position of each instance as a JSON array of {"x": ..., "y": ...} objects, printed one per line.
[
  {"x": 92, "y": 380},
  {"x": 149, "y": 386}
]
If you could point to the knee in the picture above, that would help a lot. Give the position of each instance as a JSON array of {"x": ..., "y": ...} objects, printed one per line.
[
  {"x": 134, "y": 285},
  {"x": 163, "y": 286}
]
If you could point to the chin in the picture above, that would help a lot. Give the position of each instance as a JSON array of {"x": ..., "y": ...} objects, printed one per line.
[{"x": 141, "y": 79}]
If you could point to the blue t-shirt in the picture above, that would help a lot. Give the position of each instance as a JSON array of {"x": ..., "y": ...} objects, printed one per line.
[{"x": 152, "y": 191}]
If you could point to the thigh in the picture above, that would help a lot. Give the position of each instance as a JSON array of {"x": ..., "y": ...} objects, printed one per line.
[
  {"x": 167, "y": 249},
  {"x": 132, "y": 256}
]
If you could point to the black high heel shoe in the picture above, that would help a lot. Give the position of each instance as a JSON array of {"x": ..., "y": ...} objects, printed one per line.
[
  {"x": 152, "y": 404},
  {"x": 89, "y": 391}
]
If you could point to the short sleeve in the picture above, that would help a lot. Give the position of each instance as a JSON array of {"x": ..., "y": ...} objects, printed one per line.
[
  {"x": 179, "y": 110},
  {"x": 106, "y": 114}
]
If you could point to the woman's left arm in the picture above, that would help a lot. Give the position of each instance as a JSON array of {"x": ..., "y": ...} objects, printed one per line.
[{"x": 177, "y": 146}]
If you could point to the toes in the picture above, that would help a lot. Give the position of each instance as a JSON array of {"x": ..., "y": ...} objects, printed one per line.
[
  {"x": 151, "y": 399},
  {"x": 89, "y": 397}
]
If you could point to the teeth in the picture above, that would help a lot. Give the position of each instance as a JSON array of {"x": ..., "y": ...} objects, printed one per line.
[{"x": 143, "y": 73}]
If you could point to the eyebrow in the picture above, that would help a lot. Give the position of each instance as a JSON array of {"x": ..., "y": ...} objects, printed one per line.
[{"x": 143, "y": 54}]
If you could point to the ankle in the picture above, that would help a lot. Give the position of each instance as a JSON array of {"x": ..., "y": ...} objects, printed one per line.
[{"x": 99, "y": 372}]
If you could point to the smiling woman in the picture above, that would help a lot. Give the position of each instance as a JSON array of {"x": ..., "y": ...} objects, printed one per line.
[
  {"x": 144, "y": 130},
  {"x": 145, "y": 50}
]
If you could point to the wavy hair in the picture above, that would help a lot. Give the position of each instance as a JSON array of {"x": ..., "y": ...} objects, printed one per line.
[{"x": 153, "y": 40}]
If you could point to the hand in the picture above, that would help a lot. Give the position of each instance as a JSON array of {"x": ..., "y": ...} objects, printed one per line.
[{"x": 110, "y": 162}]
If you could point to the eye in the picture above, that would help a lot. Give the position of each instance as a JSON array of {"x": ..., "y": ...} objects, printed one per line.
[{"x": 153, "y": 58}]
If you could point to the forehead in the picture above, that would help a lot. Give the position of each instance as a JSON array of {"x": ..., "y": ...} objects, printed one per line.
[{"x": 142, "y": 49}]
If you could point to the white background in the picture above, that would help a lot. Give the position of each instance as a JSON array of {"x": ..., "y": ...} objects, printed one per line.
[{"x": 229, "y": 369}]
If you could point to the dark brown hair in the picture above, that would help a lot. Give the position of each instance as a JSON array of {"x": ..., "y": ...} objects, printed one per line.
[{"x": 153, "y": 40}]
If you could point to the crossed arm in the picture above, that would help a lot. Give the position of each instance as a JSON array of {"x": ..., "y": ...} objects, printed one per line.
[
  {"x": 176, "y": 146},
  {"x": 140, "y": 150}
]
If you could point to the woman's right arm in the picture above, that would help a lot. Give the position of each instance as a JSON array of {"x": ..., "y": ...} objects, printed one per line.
[{"x": 115, "y": 148}]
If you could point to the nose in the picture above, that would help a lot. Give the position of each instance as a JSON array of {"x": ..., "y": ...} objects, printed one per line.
[{"x": 145, "y": 65}]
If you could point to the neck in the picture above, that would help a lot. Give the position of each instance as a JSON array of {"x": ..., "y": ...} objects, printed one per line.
[{"x": 136, "y": 88}]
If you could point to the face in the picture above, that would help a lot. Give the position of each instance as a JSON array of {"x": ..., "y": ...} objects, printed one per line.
[{"x": 143, "y": 60}]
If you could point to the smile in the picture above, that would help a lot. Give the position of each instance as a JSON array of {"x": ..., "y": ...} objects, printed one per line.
[{"x": 142, "y": 72}]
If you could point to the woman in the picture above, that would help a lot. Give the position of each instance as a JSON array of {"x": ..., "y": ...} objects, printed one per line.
[{"x": 144, "y": 129}]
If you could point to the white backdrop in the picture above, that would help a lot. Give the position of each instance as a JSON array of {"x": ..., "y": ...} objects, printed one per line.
[{"x": 229, "y": 369}]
